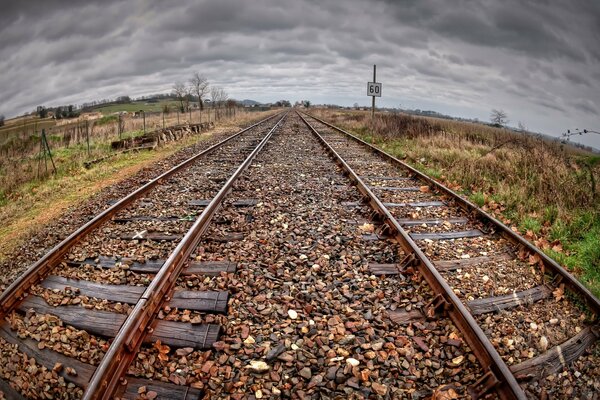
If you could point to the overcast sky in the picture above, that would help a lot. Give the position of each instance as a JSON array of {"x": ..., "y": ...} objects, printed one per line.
[{"x": 537, "y": 60}]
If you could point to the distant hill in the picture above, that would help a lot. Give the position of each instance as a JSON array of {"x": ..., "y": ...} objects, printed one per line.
[{"x": 250, "y": 102}]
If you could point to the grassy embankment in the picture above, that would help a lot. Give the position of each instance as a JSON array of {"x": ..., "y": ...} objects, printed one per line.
[
  {"x": 546, "y": 191},
  {"x": 38, "y": 201}
]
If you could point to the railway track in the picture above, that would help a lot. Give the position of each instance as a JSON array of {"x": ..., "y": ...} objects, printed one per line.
[
  {"x": 299, "y": 263},
  {"x": 531, "y": 324},
  {"x": 97, "y": 293},
  {"x": 307, "y": 319}
]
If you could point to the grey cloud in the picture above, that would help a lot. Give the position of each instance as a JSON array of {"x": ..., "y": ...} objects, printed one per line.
[
  {"x": 454, "y": 55},
  {"x": 587, "y": 106},
  {"x": 575, "y": 78}
]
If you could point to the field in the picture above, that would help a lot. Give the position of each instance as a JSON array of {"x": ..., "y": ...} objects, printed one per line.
[
  {"x": 21, "y": 127},
  {"x": 546, "y": 191},
  {"x": 137, "y": 106},
  {"x": 20, "y": 144}
]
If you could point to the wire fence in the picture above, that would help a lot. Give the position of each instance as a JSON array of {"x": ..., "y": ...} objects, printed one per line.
[{"x": 73, "y": 142}]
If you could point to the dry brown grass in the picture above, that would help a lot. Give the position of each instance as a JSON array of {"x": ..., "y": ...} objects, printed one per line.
[{"x": 524, "y": 171}]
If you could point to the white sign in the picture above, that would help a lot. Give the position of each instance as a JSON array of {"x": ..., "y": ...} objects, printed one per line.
[{"x": 374, "y": 89}]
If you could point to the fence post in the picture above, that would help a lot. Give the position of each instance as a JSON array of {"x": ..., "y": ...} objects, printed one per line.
[{"x": 87, "y": 135}]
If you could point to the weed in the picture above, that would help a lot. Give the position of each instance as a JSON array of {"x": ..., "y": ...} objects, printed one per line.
[
  {"x": 478, "y": 198},
  {"x": 559, "y": 231},
  {"x": 550, "y": 214},
  {"x": 531, "y": 224}
]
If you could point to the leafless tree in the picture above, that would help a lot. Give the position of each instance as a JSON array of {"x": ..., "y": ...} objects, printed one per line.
[
  {"x": 187, "y": 100},
  {"x": 499, "y": 117},
  {"x": 180, "y": 91},
  {"x": 218, "y": 96},
  {"x": 199, "y": 86}
]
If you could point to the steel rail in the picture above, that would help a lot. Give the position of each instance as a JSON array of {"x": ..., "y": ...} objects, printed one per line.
[
  {"x": 37, "y": 271},
  {"x": 497, "y": 375},
  {"x": 571, "y": 282},
  {"x": 122, "y": 350}
]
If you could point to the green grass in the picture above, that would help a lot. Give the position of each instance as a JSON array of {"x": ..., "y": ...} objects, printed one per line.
[
  {"x": 530, "y": 224},
  {"x": 106, "y": 119},
  {"x": 478, "y": 198},
  {"x": 580, "y": 239}
]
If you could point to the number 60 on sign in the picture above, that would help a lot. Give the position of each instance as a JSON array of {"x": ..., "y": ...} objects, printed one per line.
[{"x": 374, "y": 89}]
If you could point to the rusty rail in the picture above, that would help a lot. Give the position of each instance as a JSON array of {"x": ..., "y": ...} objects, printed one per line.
[
  {"x": 122, "y": 350},
  {"x": 497, "y": 375},
  {"x": 36, "y": 272},
  {"x": 565, "y": 277}
]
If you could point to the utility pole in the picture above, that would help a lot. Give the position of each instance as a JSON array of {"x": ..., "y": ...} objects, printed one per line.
[{"x": 373, "y": 97}]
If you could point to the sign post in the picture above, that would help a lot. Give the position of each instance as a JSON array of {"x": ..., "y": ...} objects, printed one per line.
[{"x": 374, "y": 90}]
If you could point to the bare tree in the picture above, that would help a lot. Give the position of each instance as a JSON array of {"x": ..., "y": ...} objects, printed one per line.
[
  {"x": 180, "y": 91},
  {"x": 1, "y": 120},
  {"x": 499, "y": 117},
  {"x": 218, "y": 96},
  {"x": 200, "y": 89},
  {"x": 188, "y": 99}
]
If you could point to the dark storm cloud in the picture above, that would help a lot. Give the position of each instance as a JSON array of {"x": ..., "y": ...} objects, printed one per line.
[{"x": 537, "y": 60}]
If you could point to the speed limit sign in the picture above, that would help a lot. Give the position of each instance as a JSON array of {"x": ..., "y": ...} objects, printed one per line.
[{"x": 374, "y": 89}]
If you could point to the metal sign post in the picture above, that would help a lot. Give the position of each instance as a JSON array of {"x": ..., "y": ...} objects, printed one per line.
[{"x": 374, "y": 90}]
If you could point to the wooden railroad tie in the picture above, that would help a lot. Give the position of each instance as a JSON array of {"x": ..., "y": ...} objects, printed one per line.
[
  {"x": 557, "y": 358},
  {"x": 420, "y": 222},
  {"x": 497, "y": 303},
  {"x": 451, "y": 265},
  {"x": 447, "y": 235},
  {"x": 208, "y": 268},
  {"x": 386, "y": 178},
  {"x": 417, "y": 204},
  {"x": 395, "y": 189},
  {"x": 205, "y": 301},
  {"x": 107, "y": 324},
  {"x": 236, "y": 203},
  {"x": 164, "y": 390}
]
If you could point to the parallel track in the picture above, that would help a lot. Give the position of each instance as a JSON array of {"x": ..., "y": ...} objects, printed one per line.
[
  {"x": 142, "y": 222},
  {"x": 420, "y": 235}
]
